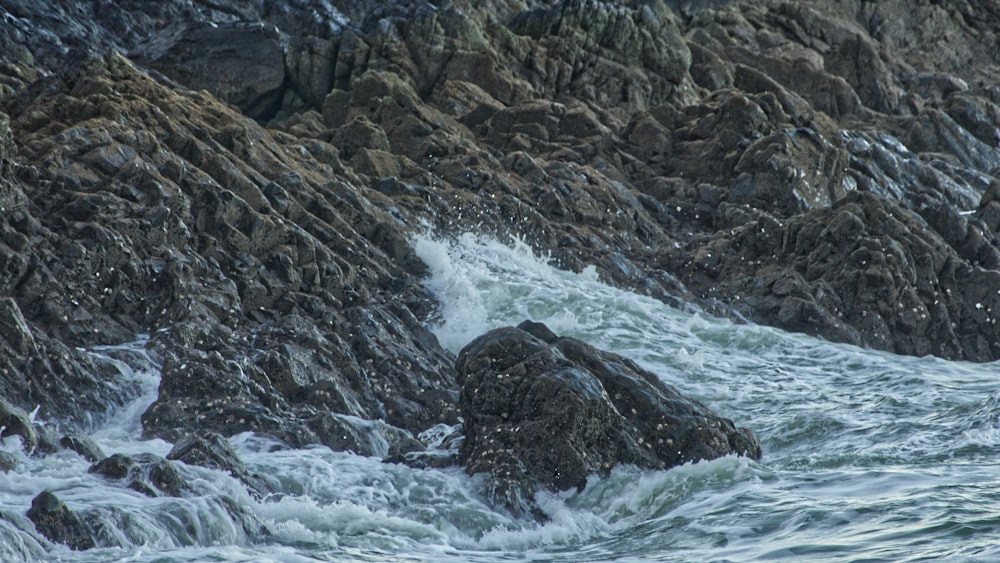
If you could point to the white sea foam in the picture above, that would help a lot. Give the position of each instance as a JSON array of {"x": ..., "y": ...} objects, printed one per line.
[{"x": 866, "y": 454}]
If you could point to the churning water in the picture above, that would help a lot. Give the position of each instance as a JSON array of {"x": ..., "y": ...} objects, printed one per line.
[{"x": 867, "y": 456}]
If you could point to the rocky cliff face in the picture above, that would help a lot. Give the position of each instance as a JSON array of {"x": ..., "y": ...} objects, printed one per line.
[{"x": 240, "y": 180}]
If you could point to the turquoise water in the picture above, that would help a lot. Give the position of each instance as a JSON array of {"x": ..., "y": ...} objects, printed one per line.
[{"x": 867, "y": 456}]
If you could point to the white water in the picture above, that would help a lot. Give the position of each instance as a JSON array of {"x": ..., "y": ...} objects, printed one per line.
[{"x": 867, "y": 456}]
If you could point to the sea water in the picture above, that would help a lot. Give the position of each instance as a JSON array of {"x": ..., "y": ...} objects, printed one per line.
[{"x": 868, "y": 456}]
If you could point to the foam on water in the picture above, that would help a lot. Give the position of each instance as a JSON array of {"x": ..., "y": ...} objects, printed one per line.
[{"x": 867, "y": 455}]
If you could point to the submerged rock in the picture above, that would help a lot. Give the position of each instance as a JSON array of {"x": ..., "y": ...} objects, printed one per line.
[
  {"x": 8, "y": 461},
  {"x": 543, "y": 411},
  {"x": 147, "y": 473},
  {"x": 213, "y": 451}
]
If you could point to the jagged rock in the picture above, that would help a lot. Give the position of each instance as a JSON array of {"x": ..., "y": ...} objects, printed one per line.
[
  {"x": 14, "y": 329},
  {"x": 584, "y": 45},
  {"x": 790, "y": 172},
  {"x": 650, "y": 145},
  {"x": 298, "y": 368},
  {"x": 935, "y": 131},
  {"x": 544, "y": 411},
  {"x": 865, "y": 271}
]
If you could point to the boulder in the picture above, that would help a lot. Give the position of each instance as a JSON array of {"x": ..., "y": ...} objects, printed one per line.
[
  {"x": 15, "y": 422},
  {"x": 543, "y": 411},
  {"x": 865, "y": 271},
  {"x": 213, "y": 451},
  {"x": 54, "y": 520},
  {"x": 83, "y": 445},
  {"x": 146, "y": 473}
]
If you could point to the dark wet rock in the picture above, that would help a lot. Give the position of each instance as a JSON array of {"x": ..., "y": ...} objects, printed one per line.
[
  {"x": 436, "y": 447},
  {"x": 68, "y": 384},
  {"x": 86, "y": 528},
  {"x": 934, "y": 131},
  {"x": 364, "y": 437},
  {"x": 213, "y": 451},
  {"x": 697, "y": 155},
  {"x": 235, "y": 249},
  {"x": 240, "y": 63},
  {"x": 15, "y": 422},
  {"x": 584, "y": 45},
  {"x": 866, "y": 271},
  {"x": 146, "y": 473},
  {"x": 48, "y": 440},
  {"x": 83, "y": 445},
  {"x": 546, "y": 412},
  {"x": 54, "y": 520},
  {"x": 244, "y": 517},
  {"x": 405, "y": 447},
  {"x": 288, "y": 373}
]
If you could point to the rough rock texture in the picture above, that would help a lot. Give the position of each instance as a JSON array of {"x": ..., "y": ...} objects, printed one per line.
[
  {"x": 56, "y": 521},
  {"x": 823, "y": 166},
  {"x": 544, "y": 411},
  {"x": 110, "y": 526}
]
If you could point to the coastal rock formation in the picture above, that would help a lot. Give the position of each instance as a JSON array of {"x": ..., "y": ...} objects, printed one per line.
[
  {"x": 825, "y": 167},
  {"x": 146, "y": 236},
  {"x": 241, "y": 64},
  {"x": 543, "y": 411},
  {"x": 111, "y": 526},
  {"x": 865, "y": 270}
]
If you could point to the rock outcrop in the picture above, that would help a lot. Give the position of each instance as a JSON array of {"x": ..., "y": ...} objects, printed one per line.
[
  {"x": 241, "y": 180},
  {"x": 543, "y": 411}
]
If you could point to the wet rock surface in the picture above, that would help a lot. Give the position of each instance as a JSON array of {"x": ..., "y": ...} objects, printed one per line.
[
  {"x": 56, "y": 521},
  {"x": 146, "y": 473},
  {"x": 825, "y": 167},
  {"x": 213, "y": 451},
  {"x": 543, "y": 411}
]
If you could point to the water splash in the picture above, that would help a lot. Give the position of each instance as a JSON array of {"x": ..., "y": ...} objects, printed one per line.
[{"x": 867, "y": 455}]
